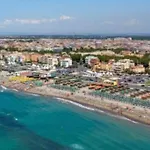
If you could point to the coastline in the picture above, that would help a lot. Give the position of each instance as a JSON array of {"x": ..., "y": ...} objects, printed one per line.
[{"x": 85, "y": 102}]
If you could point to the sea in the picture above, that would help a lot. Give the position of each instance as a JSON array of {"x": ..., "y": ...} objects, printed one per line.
[{"x": 33, "y": 122}]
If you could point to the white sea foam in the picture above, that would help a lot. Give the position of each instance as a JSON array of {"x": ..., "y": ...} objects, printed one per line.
[
  {"x": 121, "y": 117},
  {"x": 77, "y": 146},
  {"x": 74, "y": 103},
  {"x": 134, "y": 122},
  {"x": 101, "y": 111},
  {"x": 3, "y": 87},
  {"x": 129, "y": 120},
  {"x": 33, "y": 94},
  {"x": 15, "y": 90},
  {"x": 16, "y": 119},
  {"x": 2, "y": 91}
]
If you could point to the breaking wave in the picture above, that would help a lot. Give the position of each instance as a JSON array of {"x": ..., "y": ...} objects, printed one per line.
[
  {"x": 77, "y": 104},
  {"x": 3, "y": 87}
]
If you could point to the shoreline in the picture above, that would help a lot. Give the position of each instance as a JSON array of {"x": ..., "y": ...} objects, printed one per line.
[
  {"x": 83, "y": 104},
  {"x": 115, "y": 115}
]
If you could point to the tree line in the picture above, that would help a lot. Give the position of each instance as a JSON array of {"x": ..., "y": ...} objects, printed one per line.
[
  {"x": 78, "y": 57},
  {"x": 104, "y": 58}
]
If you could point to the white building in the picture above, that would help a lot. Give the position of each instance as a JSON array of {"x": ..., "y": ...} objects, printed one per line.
[
  {"x": 89, "y": 58},
  {"x": 2, "y": 62},
  {"x": 11, "y": 59},
  {"x": 52, "y": 61},
  {"x": 65, "y": 62},
  {"x": 123, "y": 64},
  {"x": 138, "y": 69}
]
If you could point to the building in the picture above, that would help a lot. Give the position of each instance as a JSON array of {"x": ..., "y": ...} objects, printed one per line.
[
  {"x": 122, "y": 65},
  {"x": 35, "y": 57},
  {"x": 53, "y": 61},
  {"x": 65, "y": 62},
  {"x": 44, "y": 59},
  {"x": 21, "y": 58},
  {"x": 2, "y": 63},
  {"x": 94, "y": 62},
  {"x": 31, "y": 57},
  {"x": 102, "y": 66},
  {"x": 48, "y": 59},
  {"x": 11, "y": 59},
  {"x": 27, "y": 57},
  {"x": 111, "y": 61},
  {"x": 138, "y": 69},
  {"x": 90, "y": 59},
  {"x": 130, "y": 53},
  {"x": 57, "y": 49}
]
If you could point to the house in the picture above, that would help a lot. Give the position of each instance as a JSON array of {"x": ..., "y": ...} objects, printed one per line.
[
  {"x": 53, "y": 61},
  {"x": 94, "y": 62},
  {"x": 43, "y": 59},
  {"x": 123, "y": 64},
  {"x": 138, "y": 69},
  {"x": 27, "y": 57},
  {"x": 65, "y": 62},
  {"x": 47, "y": 59},
  {"x": 102, "y": 66},
  {"x": 57, "y": 49},
  {"x": 2, "y": 63},
  {"x": 90, "y": 59},
  {"x": 11, "y": 59},
  {"x": 34, "y": 57},
  {"x": 20, "y": 59},
  {"x": 31, "y": 57}
]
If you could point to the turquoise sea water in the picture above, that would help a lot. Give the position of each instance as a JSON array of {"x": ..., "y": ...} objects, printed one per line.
[{"x": 38, "y": 123}]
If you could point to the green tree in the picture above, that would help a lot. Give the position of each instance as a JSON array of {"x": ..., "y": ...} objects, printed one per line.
[{"x": 76, "y": 57}]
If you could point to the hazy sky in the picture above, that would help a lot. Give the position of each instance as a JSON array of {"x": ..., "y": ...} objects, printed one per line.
[{"x": 74, "y": 16}]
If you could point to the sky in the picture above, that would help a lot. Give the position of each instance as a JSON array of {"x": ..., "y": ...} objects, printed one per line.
[{"x": 74, "y": 16}]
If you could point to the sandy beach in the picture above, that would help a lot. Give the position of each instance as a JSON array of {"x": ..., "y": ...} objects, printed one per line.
[{"x": 81, "y": 96}]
